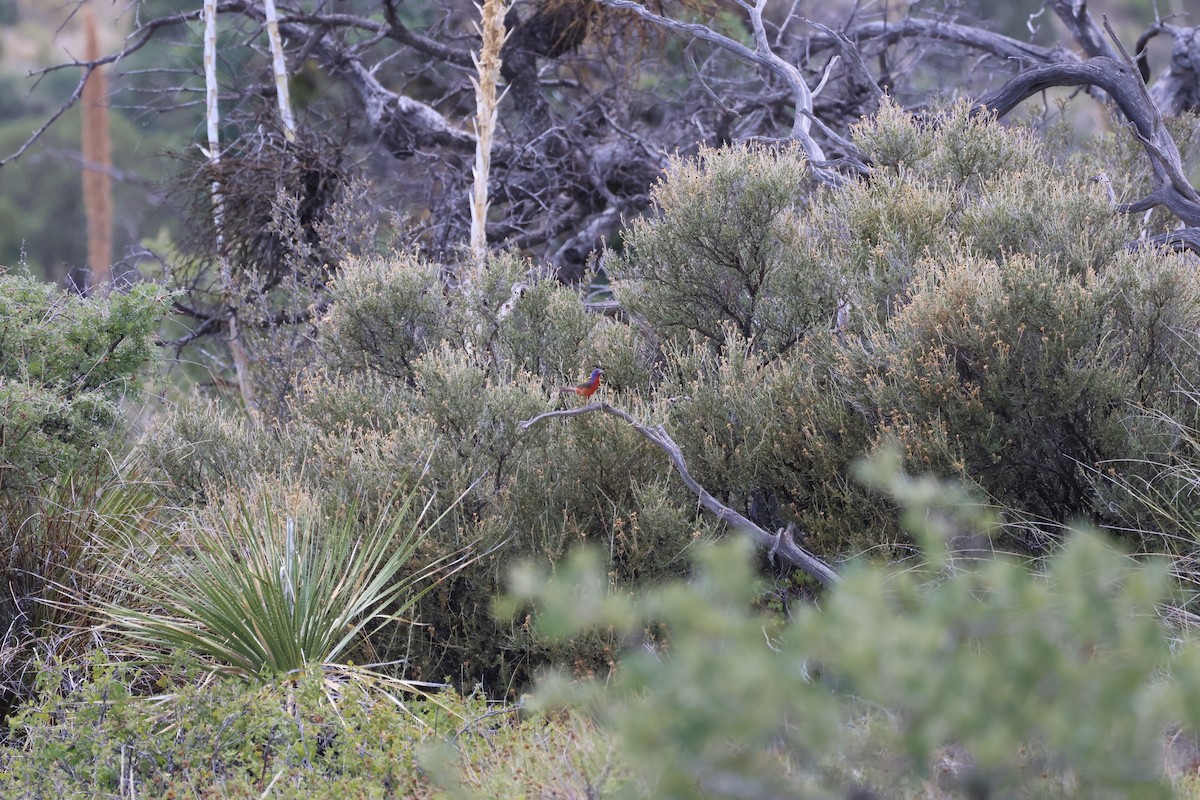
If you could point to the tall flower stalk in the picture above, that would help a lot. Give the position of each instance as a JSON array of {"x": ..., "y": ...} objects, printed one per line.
[{"x": 487, "y": 65}]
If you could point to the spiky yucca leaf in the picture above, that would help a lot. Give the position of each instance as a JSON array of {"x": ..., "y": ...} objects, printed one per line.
[{"x": 264, "y": 595}]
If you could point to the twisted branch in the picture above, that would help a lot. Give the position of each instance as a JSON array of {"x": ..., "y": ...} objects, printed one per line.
[{"x": 781, "y": 543}]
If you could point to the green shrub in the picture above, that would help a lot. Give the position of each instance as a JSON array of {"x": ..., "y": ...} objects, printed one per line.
[
  {"x": 97, "y": 729},
  {"x": 973, "y": 678},
  {"x": 355, "y": 430},
  {"x": 965, "y": 239},
  {"x": 65, "y": 364},
  {"x": 386, "y": 311},
  {"x": 1020, "y": 377},
  {"x": 725, "y": 246}
]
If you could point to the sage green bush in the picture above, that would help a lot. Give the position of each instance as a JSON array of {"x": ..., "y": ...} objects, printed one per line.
[
  {"x": 725, "y": 245},
  {"x": 973, "y": 301},
  {"x": 1022, "y": 378},
  {"x": 441, "y": 410},
  {"x": 969, "y": 678},
  {"x": 989, "y": 317}
]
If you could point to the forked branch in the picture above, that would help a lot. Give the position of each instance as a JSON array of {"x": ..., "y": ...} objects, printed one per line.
[
  {"x": 1123, "y": 83},
  {"x": 781, "y": 544}
]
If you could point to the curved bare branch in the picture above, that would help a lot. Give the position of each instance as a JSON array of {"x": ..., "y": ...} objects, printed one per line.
[
  {"x": 781, "y": 544},
  {"x": 1122, "y": 81}
]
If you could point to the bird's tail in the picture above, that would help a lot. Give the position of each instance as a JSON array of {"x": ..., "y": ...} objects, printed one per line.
[{"x": 567, "y": 390}]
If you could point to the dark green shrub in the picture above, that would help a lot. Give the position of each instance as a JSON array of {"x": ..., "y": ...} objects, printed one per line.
[{"x": 65, "y": 364}]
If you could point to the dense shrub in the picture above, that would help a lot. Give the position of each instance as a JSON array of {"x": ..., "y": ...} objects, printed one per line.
[
  {"x": 971, "y": 300},
  {"x": 95, "y": 731},
  {"x": 992, "y": 320},
  {"x": 444, "y": 399},
  {"x": 725, "y": 246},
  {"x": 66, "y": 365},
  {"x": 1022, "y": 378}
]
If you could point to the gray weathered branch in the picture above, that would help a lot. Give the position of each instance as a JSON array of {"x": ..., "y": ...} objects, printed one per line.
[
  {"x": 1123, "y": 83},
  {"x": 762, "y": 55},
  {"x": 781, "y": 544}
]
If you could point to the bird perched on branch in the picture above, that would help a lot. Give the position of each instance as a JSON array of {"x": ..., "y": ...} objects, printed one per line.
[{"x": 586, "y": 389}]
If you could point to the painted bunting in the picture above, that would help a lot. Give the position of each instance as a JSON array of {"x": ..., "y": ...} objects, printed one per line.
[{"x": 586, "y": 389}]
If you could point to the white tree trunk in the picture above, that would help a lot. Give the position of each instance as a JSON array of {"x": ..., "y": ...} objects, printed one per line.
[
  {"x": 279, "y": 67},
  {"x": 213, "y": 113}
]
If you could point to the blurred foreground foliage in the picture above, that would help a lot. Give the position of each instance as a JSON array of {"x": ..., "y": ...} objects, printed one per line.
[{"x": 968, "y": 677}]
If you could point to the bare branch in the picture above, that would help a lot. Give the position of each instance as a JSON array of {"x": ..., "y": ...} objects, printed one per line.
[
  {"x": 762, "y": 55},
  {"x": 781, "y": 544},
  {"x": 1123, "y": 83},
  {"x": 1073, "y": 14},
  {"x": 852, "y": 56},
  {"x": 994, "y": 44}
]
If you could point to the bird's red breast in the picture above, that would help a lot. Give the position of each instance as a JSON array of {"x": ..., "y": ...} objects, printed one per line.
[{"x": 586, "y": 389}]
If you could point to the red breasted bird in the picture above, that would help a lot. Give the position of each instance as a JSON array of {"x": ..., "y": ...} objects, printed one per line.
[{"x": 585, "y": 389}]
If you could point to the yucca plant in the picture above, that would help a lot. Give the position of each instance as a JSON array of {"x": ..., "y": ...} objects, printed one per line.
[{"x": 262, "y": 594}]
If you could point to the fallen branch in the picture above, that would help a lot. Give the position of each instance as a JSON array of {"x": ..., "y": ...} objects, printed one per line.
[{"x": 781, "y": 543}]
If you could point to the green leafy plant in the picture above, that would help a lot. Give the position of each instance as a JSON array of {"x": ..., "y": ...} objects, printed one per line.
[{"x": 264, "y": 594}]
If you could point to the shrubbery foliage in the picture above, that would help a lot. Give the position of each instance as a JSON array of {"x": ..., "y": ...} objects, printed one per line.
[
  {"x": 972, "y": 301},
  {"x": 66, "y": 365},
  {"x": 95, "y": 731},
  {"x": 972, "y": 304}
]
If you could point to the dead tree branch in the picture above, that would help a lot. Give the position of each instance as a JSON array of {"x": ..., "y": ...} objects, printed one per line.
[
  {"x": 1123, "y": 83},
  {"x": 762, "y": 55},
  {"x": 781, "y": 544}
]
